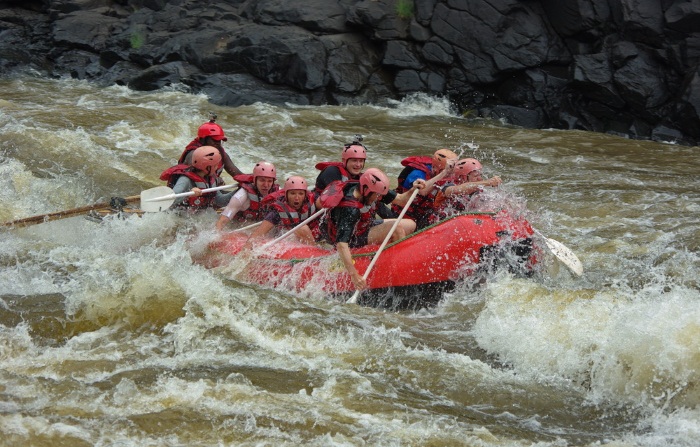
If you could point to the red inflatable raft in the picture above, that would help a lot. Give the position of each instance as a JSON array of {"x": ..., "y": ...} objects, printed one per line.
[{"x": 410, "y": 273}]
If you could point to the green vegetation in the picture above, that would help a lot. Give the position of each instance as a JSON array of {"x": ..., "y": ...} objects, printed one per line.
[
  {"x": 137, "y": 40},
  {"x": 404, "y": 9}
]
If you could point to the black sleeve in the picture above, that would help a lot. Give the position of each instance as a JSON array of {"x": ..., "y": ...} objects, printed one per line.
[
  {"x": 345, "y": 219},
  {"x": 389, "y": 197},
  {"x": 385, "y": 211},
  {"x": 327, "y": 176}
]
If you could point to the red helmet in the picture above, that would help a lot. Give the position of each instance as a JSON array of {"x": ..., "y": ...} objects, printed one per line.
[
  {"x": 374, "y": 180},
  {"x": 353, "y": 150},
  {"x": 213, "y": 130},
  {"x": 464, "y": 167},
  {"x": 264, "y": 169},
  {"x": 295, "y": 182},
  {"x": 206, "y": 158}
]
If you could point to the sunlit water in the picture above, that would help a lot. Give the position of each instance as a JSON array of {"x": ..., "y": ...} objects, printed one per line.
[{"x": 110, "y": 335}]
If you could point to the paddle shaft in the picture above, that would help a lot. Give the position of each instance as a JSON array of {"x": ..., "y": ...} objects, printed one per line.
[
  {"x": 62, "y": 214},
  {"x": 188, "y": 193},
  {"x": 290, "y": 232},
  {"x": 353, "y": 298},
  {"x": 247, "y": 227}
]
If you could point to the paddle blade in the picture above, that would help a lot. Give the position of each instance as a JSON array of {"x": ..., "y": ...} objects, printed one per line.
[
  {"x": 565, "y": 255},
  {"x": 353, "y": 298},
  {"x": 150, "y": 194}
]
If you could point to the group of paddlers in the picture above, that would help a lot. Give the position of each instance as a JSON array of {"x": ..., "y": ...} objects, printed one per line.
[{"x": 361, "y": 208}]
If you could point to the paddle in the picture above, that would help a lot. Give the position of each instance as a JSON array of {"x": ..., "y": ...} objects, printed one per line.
[
  {"x": 353, "y": 298},
  {"x": 63, "y": 214},
  {"x": 247, "y": 227},
  {"x": 161, "y": 197},
  {"x": 290, "y": 232},
  {"x": 563, "y": 253}
]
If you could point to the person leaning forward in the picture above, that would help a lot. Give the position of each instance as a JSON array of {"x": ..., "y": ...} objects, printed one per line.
[
  {"x": 211, "y": 134},
  {"x": 201, "y": 174},
  {"x": 246, "y": 203},
  {"x": 353, "y": 157},
  {"x": 286, "y": 210},
  {"x": 434, "y": 170},
  {"x": 462, "y": 192},
  {"x": 352, "y": 223},
  {"x": 350, "y": 168}
]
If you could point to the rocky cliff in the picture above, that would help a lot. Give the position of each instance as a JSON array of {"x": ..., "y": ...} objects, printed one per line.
[{"x": 629, "y": 67}]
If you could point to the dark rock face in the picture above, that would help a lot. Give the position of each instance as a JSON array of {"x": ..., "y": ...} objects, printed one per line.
[{"x": 630, "y": 67}]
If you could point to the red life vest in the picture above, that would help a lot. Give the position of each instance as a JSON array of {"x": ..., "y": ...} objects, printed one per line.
[
  {"x": 173, "y": 173},
  {"x": 290, "y": 217},
  {"x": 423, "y": 208},
  {"x": 333, "y": 194},
  {"x": 349, "y": 201},
  {"x": 420, "y": 162},
  {"x": 196, "y": 143},
  {"x": 344, "y": 173},
  {"x": 449, "y": 206},
  {"x": 255, "y": 210}
]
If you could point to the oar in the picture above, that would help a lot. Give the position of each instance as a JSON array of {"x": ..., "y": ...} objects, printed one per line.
[
  {"x": 290, "y": 232},
  {"x": 247, "y": 227},
  {"x": 353, "y": 298},
  {"x": 62, "y": 214},
  {"x": 161, "y": 197},
  {"x": 563, "y": 253}
]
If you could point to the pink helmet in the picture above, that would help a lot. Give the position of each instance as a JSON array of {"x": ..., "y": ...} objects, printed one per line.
[
  {"x": 353, "y": 150},
  {"x": 206, "y": 158},
  {"x": 441, "y": 156},
  {"x": 464, "y": 167},
  {"x": 264, "y": 169},
  {"x": 211, "y": 129},
  {"x": 295, "y": 182},
  {"x": 374, "y": 180}
]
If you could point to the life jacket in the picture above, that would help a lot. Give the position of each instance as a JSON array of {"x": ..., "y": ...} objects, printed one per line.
[
  {"x": 420, "y": 162},
  {"x": 255, "y": 211},
  {"x": 333, "y": 194},
  {"x": 448, "y": 206},
  {"x": 348, "y": 200},
  {"x": 423, "y": 208},
  {"x": 196, "y": 143},
  {"x": 290, "y": 217},
  {"x": 344, "y": 173},
  {"x": 173, "y": 173}
]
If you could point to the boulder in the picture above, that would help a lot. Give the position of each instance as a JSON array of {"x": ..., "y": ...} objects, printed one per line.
[{"x": 628, "y": 67}]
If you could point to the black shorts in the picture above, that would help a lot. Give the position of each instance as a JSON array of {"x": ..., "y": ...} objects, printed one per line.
[{"x": 362, "y": 239}]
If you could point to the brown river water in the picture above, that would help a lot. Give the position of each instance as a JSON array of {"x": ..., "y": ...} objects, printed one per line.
[{"x": 111, "y": 335}]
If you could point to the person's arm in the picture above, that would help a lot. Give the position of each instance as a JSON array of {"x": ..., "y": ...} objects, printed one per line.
[
  {"x": 402, "y": 199},
  {"x": 468, "y": 188},
  {"x": 261, "y": 231},
  {"x": 430, "y": 184},
  {"x": 385, "y": 212},
  {"x": 184, "y": 184},
  {"x": 272, "y": 219},
  {"x": 326, "y": 177},
  {"x": 229, "y": 167},
  {"x": 346, "y": 258},
  {"x": 239, "y": 202}
]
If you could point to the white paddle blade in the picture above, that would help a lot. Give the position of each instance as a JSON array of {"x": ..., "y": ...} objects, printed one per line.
[
  {"x": 353, "y": 298},
  {"x": 150, "y": 206},
  {"x": 566, "y": 256}
]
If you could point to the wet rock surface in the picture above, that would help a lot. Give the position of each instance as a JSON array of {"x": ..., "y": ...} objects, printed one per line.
[{"x": 629, "y": 67}]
